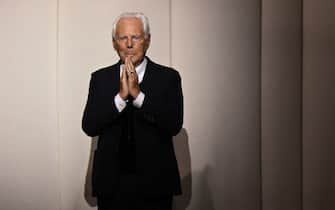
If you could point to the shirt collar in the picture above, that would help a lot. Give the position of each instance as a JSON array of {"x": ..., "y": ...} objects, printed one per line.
[{"x": 141, "y": 68}]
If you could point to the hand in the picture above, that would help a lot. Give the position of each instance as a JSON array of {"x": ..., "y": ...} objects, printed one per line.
[
  {"x": 124, "y": 90},
  {"x": 133, "y": 86}
]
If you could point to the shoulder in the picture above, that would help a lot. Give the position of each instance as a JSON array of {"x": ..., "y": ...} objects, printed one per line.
[
  {"x": 104, "y": 71},
  {"x": 164, "y": 71}
]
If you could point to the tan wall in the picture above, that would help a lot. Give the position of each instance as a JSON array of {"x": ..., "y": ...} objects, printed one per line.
[
  {"x": 49, "y": 48},
  {"x": 215, "y": 44},
  {"x": 29, "y": 151}
]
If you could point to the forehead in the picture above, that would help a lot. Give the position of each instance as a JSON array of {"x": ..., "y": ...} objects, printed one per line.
[{"x": 129, "y": 25}]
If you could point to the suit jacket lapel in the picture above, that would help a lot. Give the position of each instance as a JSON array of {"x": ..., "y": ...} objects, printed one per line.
[
  {"x": 115, "y": 75},
  {"x": 147, "y": 78}
]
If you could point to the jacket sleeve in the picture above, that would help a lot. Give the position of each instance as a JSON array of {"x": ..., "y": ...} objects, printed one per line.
[
  {"x": 167, "y": 115},
  {"x": 100, "y": 110}
]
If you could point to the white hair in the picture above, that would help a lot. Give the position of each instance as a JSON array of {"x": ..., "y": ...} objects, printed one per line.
[{"x": 140, "y": 16}]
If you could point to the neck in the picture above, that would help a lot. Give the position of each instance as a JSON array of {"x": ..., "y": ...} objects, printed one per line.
[{"x": 138, "y": 63}]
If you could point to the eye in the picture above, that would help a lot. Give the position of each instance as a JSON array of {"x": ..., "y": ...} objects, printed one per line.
[
  {"x": 137, "y": 38},
  {"x": 123, "y": 38},
  {"x": 134, "y": 38}
]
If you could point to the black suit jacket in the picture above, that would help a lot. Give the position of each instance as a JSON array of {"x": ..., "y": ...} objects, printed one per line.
[{"x": 159, "y": 118}]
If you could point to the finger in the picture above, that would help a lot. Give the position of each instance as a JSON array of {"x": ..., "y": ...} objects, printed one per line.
[
  {"x": 126, "y": 60},
  {"x": 134, "y": 75},
  {"x": 127, "y": 70},
  {"x": 128, "y": 66},
  {"x": 131, "y": 65},
  {"x": 124, "y": 72},
  {"x": 131, "y": 76},
  {"x": 129, "y": 61},
  {"x": 131, "y": 72}
]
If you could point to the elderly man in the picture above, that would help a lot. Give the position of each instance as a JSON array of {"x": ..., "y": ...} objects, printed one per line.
[{"x": 135, "y": 107}]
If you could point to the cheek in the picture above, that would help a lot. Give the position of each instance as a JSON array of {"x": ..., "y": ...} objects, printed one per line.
[{"x": 142, "y": 49}]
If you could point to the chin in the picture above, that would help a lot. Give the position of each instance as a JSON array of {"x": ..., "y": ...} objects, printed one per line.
[{"x": 136, "y": 61}]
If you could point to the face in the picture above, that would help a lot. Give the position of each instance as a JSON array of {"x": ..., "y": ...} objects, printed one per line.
[{"x": 129, "y": 40}]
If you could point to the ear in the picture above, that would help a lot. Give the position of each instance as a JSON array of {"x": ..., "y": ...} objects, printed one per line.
[
  {"x": 147, "y": 43},
  {"x": 115, "y": 45}
]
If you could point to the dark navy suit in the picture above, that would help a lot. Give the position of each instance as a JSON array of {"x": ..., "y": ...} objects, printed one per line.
[{"x": 147, "y": 156}]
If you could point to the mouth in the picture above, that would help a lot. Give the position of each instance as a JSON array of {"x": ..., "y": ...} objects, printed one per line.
[{"x": 129, "y": 53}]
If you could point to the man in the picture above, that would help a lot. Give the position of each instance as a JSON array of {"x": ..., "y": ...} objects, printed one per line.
[{"x": 135, "y": 107}]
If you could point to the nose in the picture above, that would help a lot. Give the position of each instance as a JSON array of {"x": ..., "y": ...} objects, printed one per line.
[{"x": 129, "y": 43}]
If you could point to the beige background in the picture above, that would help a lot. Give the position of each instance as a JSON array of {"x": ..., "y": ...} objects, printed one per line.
[{"x": 258, "y": 88}]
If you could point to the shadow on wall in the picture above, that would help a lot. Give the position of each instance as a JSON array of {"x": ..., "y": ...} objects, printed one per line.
[
  {"x": 92, "y": 201},
  {"x": 183, "y": 156},
  {"x": 182, "y": 151},
  {"x": 202, "y": 199}
]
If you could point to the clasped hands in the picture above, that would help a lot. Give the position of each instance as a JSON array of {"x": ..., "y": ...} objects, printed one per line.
[{"x": 129, "y": 80}]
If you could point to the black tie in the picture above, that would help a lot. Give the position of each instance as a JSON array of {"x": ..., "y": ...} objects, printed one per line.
[
  {"x": 130, "y": 120},
  {"x": 127, "y": 144}
]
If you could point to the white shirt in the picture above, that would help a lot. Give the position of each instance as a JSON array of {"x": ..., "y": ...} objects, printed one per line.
[{"x": 138, "y": 101}]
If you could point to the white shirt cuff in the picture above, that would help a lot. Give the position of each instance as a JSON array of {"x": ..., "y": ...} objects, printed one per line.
[
  {"x": 138, "y": 101},
  {"x": 119, "y": 103}
]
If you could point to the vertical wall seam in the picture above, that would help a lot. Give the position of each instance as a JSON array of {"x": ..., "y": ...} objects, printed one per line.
[
  {"x": 302, "y": 106},
  {"x": 58, "y": 109},
  {"x": 170, "y": 32},
  {"x": 260, "y": 106}
]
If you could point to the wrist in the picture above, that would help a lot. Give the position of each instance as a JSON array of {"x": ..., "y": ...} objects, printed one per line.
[
  {"x": 123, "y": 96},
  {"x": 135, "y": 93}
]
